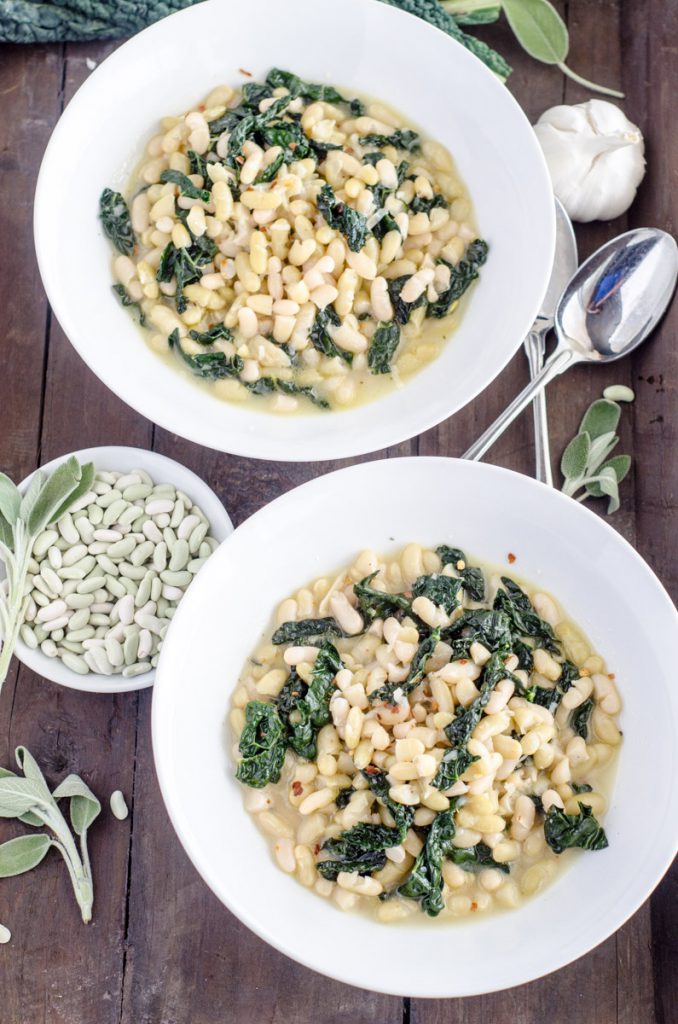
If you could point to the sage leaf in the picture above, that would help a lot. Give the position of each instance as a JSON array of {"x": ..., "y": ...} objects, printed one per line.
[
  {"x": 575, "y": 457},
  {"x": 18, "y": 796},
  {"x": 29, "y": 766},
  {"x": 61, "y": 483},
  {"x": 620, "y": 465},
  {"x": 6, "y": 533},
  {"x": 600, "y": 449},
  {"x": 602, "y": 417},
  {"x": 86, "y": 481},
  {"x": 22, "y": 854},
  {"x": 10, "y": 500},
  {"x": 607, "y": 481},
  {"x": 539, "y": 29},
  {"x": 85, "y": 807},
  {"x": 32, "y": 492}
]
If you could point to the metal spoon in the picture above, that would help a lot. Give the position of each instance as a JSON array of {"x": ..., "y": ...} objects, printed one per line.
[
  {"x": 613, "y": 302},
  {"x": 565, "y": 263}
]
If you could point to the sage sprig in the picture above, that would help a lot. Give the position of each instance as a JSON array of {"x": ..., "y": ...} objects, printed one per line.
[
  {"x": 536, "y": 25},
  {"x": 587, "y": 468},
  {"x": 29, "y": 799},
  {"x": 22, "y": 520}
]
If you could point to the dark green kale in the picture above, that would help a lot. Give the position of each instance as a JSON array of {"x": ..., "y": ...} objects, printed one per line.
[
  {"x": 262, "y": 745},
  {"x": 402, "y": 815},
  {"x": 399, "y": 139},
  {"x": 184, "y": 265},
  {"x": 403, "y": 310},
  {"x": 356, "y": 107},
  {"x": 582, "y": 787},
  {"x": 382, "y": 192},
  {"x": 383, "y": 226},
  {"x": 320, "y": 337},
  {"x": 116, "y": 221},
  {"x": 312, "y": 711},
  {"x": 479, "y": 625},
  {"x": 305, "y": 630},
  {"x": 208, "y": 365},
  {"x": 128, "y": 301},
  {"x": 515, "y": 603},
  {"x": 524, "y": 654},
  {"x": 343, "y": 796},
  {"x": 343, "y": 218},
  {"x": 454, "y": 763},
  {"x": 364, "y": 863},
  {"x": 461, "y": 277},
  {"x": 579, "y": 718},
  {"x": 186, "y": 186},
  {"x": 421, "y": 205},
  {"x": 269, "y": 385},
  {"x": 269, "y": 173},
  {"x": 277, "y": 79},
  {"x": 551, "y": 696},
  {"x": 472, "y": 576},
  {"x": 565, "y": 831},
  {"x": 475, "y": 858},
  {"x": 292, "y": 692},
  {"x": 217, "y": 333},
  {"x": 199, "y": 164},
  {"x": 377, "y": 604},
  {"x": 385, "y": 341},
  {"x": 290, "y": 136},
  {"x": 442, "y": 590},
  {"x": 416, "y": 674},
  {"x": 425, "y": 881},
  {"x": 248, "y": 126}
]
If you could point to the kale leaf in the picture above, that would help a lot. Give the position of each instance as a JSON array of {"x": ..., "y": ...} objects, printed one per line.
[
  {"x": 262, "y": 745},
  {"x": 217, "y": 333},
  {"x": 479, "y": 625},
  {"x": 442, "y": 590},
  {"x": 383, "y": 347},
  {"x": 306, "y": 629},
  {"x": 128, "y": 301},
  {"x": 313, "y": 709},
  {"x": 515, "y": 603},
  {"x": 579, "y": 718},
  {"x": 116, "y": 221},
  {"x": 377, "y": 604},
  {"x": 402, "y": 815},
  {"x": 582, "y": 787},
  {"x": 472, "y": 576},
  {"x": 343, "y": 218},
  {"x": 186, "y": 186},
  {"x": 208, "y": 365},
  {"x": 416, "y": 674},
  {"x": 425, "y": 881},
  {"x": 454, "y": 763},
  {"x": 320, "y": 338},
  {"x": 343, "y": 796},
  {"x": 403, "y": 310},
  {"x": 475, "y": 858},
  {"x": 184, "y": 265},
  {"x": 292, "y": 692},
  {"x": 421, "y": 205},
  {"x": 400, "y": 139},
  {"x": 277, "y": 79},
  {"x": 564, "y": 831},
  {"x": 269, "y": 385},
  {"x": 461, "y": 277},
  {"x": 364, "y": 863}
]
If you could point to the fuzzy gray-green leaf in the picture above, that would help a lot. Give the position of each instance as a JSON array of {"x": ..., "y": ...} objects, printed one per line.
[
  {"x": 575, "y": 457},
  {"x": 62, "y": 482},
  {"x": 86, "y": 481},
  {"x": 600, "y": 449},
  {"x": 85, "y": 807},
  {"x": 22, "y": 854},
  {"x": 602, "y": 417},
  {"x": 10, "y": 500},
  {"x": 18, "y": 796},
  {"x": 620, "y": 465},
  {"x": 539, "y": 29},
  {"x": 32, "y": 492}
]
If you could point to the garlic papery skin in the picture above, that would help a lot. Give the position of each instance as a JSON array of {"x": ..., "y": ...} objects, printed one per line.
[{"x": 595, "y": 157}]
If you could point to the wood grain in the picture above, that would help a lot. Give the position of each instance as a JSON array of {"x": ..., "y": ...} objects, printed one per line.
[{"x": 162, "y": 949}]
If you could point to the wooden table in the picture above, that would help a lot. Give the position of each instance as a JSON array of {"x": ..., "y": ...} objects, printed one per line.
[{"x": 161, "y": 948}]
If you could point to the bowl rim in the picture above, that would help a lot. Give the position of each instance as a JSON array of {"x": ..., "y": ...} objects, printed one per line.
[
  {"x": 389, "y": 426},
  {"x": 161, "y": 742},
  {"x": 53, "y": 668}
]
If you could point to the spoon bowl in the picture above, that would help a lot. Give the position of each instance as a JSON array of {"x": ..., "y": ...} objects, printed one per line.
[
  {"x": 611, "y": 305},
  {"x": 618, "y": 296}
]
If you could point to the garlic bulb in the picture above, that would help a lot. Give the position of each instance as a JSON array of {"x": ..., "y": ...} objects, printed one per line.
[{"x": 595, "y": 158}]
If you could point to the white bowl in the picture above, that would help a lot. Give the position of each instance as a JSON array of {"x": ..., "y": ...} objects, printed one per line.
[
  {"x": 603, "y": 584},
  {"x": 163, "y": 471},
  {"x": 358, "y": 44}
]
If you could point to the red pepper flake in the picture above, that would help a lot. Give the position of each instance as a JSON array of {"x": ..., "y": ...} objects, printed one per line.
[
  {"x": 511, "y": 558},
  {"x": 293, "y": 146},
  {"x": 463, "y": 661},
  {"x": 316, "y": 849},
  {"x": 240, "y": 159},
  {"x": 244, "y": 72},
  {"x": 297, "y": 788},
  {"x": 202, "y": 107},
  {"x": 584, "y": 672},
  {"x": 474, "y": 905},
  {"x": 371, "y": 770},
  {"x": 611, "y": 675}
]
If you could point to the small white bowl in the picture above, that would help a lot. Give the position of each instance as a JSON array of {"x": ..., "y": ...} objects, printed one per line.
[
  {"x": 603, "y": 585},
  {"x": 360, "y": 45},
  {"x": 162, "y": 471}
]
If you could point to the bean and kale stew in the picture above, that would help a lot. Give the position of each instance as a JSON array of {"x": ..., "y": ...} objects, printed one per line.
[
  {"x": 420, "y": 734},
  {"x": 284, "y": 240}
]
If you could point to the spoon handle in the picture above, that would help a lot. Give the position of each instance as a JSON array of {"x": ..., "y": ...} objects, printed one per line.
[
  {"x": 534, "y": 347},
  {"x": 560, "y": 359}
]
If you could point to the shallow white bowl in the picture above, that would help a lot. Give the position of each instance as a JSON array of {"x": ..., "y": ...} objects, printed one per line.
[
  {"x": 162, "y": 471},
  {"x": 358, "y": 44},
  {"x": 603, "y": 584}
]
